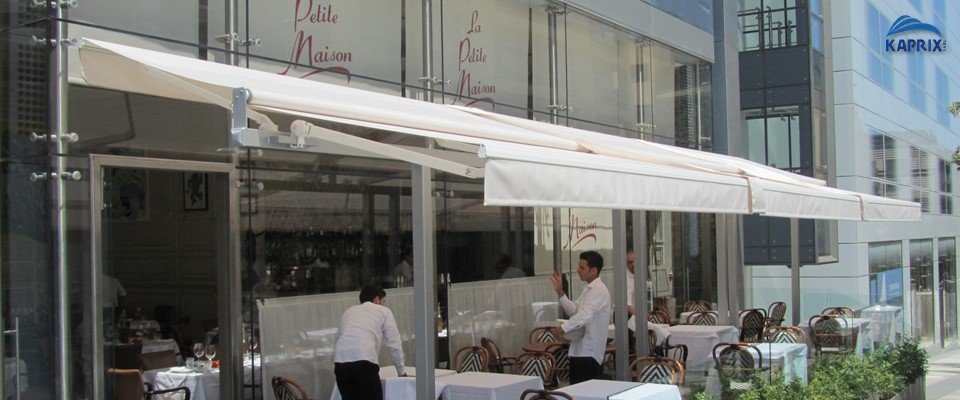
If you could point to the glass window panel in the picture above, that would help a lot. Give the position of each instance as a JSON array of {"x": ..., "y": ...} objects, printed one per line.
[
  {"x": 922, "y": 283},
  {"x": 794, "y": 126},
  {"x": 756, "y": 140},
  {"x": 778, "y": 142}
]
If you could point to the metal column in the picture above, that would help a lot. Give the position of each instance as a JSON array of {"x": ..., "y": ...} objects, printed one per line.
[
  {"x": 620, "y": 292},
  {"x": 427, "y": 25},
  {"x": 552, "y": 12},
  {"x": 424, "y": 280},
  {"x": 58, "y": 126},
  {"x": 795, "y": 269},
  {"x": 640, "y": 271}
]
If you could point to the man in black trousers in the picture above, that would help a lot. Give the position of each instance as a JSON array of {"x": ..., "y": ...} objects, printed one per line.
[{"x": 362, "y": 330}]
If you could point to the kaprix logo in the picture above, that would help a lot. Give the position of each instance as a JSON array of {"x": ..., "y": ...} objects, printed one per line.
[{"x": 909, "y": 25}]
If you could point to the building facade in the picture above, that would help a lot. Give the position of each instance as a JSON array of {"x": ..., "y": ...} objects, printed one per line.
[
  {"x": 150, "y": 195},
  {"x": 883, "y": 129}
]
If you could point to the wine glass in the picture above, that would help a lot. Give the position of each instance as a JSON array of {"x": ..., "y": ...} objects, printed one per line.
[
  {"x": 198, "y": 350},
  {"x": 210, "y": 351}
]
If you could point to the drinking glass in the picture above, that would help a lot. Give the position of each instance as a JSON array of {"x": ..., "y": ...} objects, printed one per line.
[
  {"x": 198, "y": 350},
  {"x": 210, "y": 351}
]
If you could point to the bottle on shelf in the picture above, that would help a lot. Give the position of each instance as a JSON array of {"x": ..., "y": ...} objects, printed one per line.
[{"x": 439, "y": 320}]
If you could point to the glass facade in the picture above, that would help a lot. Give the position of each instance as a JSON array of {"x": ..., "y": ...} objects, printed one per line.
[
  {"x": 768, "y": 24},
  {"x": 312, "y": 227}
]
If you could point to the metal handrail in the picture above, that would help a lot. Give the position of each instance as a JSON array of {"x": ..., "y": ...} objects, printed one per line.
[{"x": 15, "y": 332}]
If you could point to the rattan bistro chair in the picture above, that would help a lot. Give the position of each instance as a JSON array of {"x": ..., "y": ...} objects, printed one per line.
[
  {"x": 472, "y": 359},
  {"x": 656, "y": 370},
  {"x": 775, "y": 313},
  {"x": 696, "y": 306},
  {"x": 497, "y": 361},
  {"x": 539, "y": 364},
  {"x": 287, "y": 389},
  {"x": 752, "y": 324},
  {"x": 787, "y": 334},
  {"x": 831, "y": 334},
  {"x": 702, "y": 318},
  {"x": 128, "y": 385},
  {"x": 542, "y": 334},
  {"x": 534, "y": 394}
]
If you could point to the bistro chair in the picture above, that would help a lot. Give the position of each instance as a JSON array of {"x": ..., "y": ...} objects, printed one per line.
[
  {"x": 539, "y": 364},
  {"x": 560, "y": 353},
  {"x": 676, "y": 352},
  {"x": 127, "y": 356},
  {"x": 831, "y": 334},
  {"x": 534, "y": 394},
  {"x": 696, "y": 306},
  {"x": 542, "y": 334},
  {"x": 775, "y": 313},
  {"x": 128, "y": 385},
  {"x": 656, "y": 370},
  {"x": 472, "y": 359},
  {"x": 652, "y": 337},
  {"x": 661, "y": 309},
  {"x": 788, "y": 334},
  {"x": 752, "y": 323},
  {"x": 158, "y": 359},
  {"x": 735, "y": 363},
  {"x": 845, "y": 312},
  {"x": 497, "y": 361},
  {"x": 287, "y": 389},
  {"x": 658, "y": 317},
  {"x": 702, "y": 318}
]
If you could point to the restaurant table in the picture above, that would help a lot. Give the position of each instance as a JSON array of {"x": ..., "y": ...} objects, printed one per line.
[
  {"x": 788, "y": 358},
  {"x": 204, "y": 383},
  {"x": 700, "y": 340},
  {"x": 487, "y": 386},
  {"x": 596, "y": 389},
  {"x": 400, "y": 388},
  {"x": 862, "y": 325},
  {"x": 887, "y": 325},
  {"x": 659, "y": 329}
]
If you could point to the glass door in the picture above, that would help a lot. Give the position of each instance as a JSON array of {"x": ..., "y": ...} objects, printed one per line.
[
  {"x": 948, "y": 290},
  {"x": 162, "y": 265}
]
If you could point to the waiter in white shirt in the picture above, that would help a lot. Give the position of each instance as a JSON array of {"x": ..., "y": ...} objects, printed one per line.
[
  {"x": 362, "y": 329},
  {"x": 590, "y": 313}
]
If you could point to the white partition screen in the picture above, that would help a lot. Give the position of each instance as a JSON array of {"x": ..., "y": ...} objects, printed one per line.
[{"x": 297, "y": 337}]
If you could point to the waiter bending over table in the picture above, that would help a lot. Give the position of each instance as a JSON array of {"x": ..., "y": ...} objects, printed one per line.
[
  {"x": 362, "y": 329},
  {"x": 589, "y": 316}
]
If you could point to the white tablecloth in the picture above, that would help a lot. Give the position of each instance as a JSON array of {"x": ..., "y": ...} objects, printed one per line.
[
  {"x": 788, "y": 358},
  {"x": 887, "y": 323},
  {"x": 487, "y": 386},
  {"x": 660, "y": 329},
  {"x": 155, "y": 345},
  {"x": 204, "y": 384},
  {"x": 397, "y": 388},
  {"x": 864, "y": 335},
  {"x": 595, "y": 389},
  {"x": 700, "y": 341}
]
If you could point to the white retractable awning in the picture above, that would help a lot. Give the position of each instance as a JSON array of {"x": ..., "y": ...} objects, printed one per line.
[{"x": 523, "y": 162}]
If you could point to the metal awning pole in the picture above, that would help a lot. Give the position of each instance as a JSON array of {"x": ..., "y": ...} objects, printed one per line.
[
  {"x": 795, "y": 269},
  {"x": 620, "y": 292},
  {"x": 424, "y": 280}
]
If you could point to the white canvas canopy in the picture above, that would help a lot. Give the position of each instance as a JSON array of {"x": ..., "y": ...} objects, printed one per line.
[{"x": 522, "y": 162}]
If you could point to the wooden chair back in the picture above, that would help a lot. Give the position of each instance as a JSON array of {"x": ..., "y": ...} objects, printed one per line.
[
  {"x": 287, "y": 389},
  {"x": 696, "y": 306},
  {"x": 839, "y": 311},
  {"x": 497, "y": 360},
  {"x": 472, "y": 359},
  {"x": 539, "y": 364},
  {"x": 534, "y": 394},
  {"x": 702, "y": 318},
  {"x": 775, "y": 313},
  {"x": 158, "y": 359},
  {"x": 560, "y": 353},
  {"x": 787, "y": 334},
  {"x": 657, "y": 370},
  {"x": 752, "y": 324},
  {"x": 127, "y": 384},
  {"x": 677, "y": 352},
  {"x": 830, "y": 334},
  {"x": 542, "y": 334},
  {"x": 658, "y": 317}
]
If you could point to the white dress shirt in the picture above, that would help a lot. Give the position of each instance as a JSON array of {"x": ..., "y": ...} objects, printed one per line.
[
  {"x": 591, "y": 311},
  {"x": 362, "y": 329},
  {"x": 629, "y": 288}
]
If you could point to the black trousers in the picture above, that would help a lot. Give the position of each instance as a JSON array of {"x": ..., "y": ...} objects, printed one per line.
[
  {"x": 358, "y": 380},
  {"x": 584, "y": 369}
]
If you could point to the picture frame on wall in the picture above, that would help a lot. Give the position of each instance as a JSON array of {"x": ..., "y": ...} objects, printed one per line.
[{"x": 194, "y": 191}]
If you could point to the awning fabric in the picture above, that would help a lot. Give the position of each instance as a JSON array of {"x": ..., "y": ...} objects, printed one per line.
[{"x": 525, "y": 163}]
